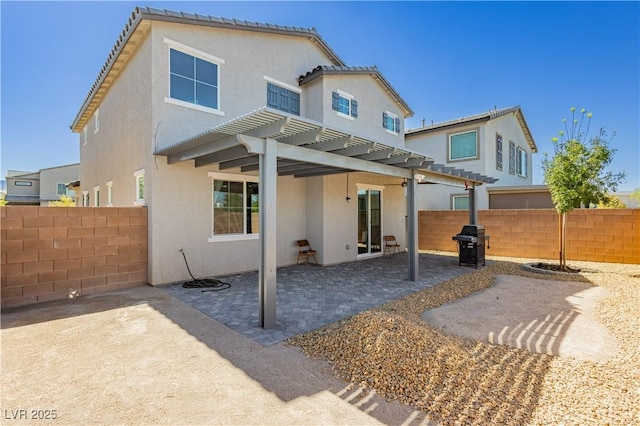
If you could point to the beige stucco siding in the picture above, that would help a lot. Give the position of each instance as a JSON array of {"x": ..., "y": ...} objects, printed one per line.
[
  {"x": 123, "y": 143},
  {"x": 340, "y": 218},
  {"x": 372, "y": 102},
  {"x": 510, "y": 130},
  {"x": 248, "y": 58},
  {"x": 50, "y": 178}
]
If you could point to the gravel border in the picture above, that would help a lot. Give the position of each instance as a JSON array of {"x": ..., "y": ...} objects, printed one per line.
[{"x": 453, "y": 380}]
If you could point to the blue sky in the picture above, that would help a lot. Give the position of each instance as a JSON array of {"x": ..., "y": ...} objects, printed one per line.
[{"x": 447, "y": 60}]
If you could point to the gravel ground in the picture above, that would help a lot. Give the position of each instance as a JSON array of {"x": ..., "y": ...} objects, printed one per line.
[{"x": 453, "y": 380}]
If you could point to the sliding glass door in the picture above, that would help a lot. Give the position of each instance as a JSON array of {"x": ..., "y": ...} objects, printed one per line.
[{"x": 369, "y": 221}]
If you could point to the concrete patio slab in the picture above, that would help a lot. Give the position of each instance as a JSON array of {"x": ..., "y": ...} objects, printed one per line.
[{"x": 140, "y": 356}]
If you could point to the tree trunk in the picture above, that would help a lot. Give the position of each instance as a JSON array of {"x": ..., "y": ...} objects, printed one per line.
[
  {"x": 560, "y": 240},
  {"x": 563, "y": 242}
]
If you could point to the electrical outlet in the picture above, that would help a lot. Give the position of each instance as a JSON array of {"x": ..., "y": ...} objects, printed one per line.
[{"x": 348, "y": 247}]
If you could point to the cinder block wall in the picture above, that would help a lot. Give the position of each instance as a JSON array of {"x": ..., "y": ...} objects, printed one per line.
[
  {"x": 599, "y": 235},
  {"x": 48, "y": 251}
]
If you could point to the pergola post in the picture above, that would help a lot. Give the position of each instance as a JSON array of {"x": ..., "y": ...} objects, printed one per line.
[
  {"x": 268, "y": 206},
  {"x": 473, "y": 213},
  {"x": 412, "y": 226}
]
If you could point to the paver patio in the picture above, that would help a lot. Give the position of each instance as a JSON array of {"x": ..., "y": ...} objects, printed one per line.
[{"x": 312, "y": 296}]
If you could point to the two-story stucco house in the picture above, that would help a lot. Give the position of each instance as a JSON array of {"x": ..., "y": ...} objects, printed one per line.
[
  {"x": 241, "y": 138},
  {"x": 41, "y": 187},
  {"x": 497, "y": 143}
]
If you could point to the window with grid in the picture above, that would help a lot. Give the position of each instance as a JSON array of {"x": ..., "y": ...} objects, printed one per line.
[
  {"x": 193, "y": 80},
  {"x": 236, "y": 207},
  {"x": 344, "y": 104},
  {"x": 391, "y": 122}
]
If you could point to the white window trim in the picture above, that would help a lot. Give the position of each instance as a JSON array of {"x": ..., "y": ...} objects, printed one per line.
[
  {"x": 96, "y": 196},
  {"x": 192, "y": 51},
  {"x": 139, "y": 201},
  {"x": 110, "y": 193},
  {"x": 85, "y": 196},
  {"x": 172, "y": 44},
  {"x": 281, "y": 84},
  {"x": 196, "y": 107},
  {"x": 475, "y": 157},
  {"x": 345, "y": 94},
  {"x": 349, "y": 96},
  {"x": 236, "y": 178},
  {"x": 394, "y": 116},
  {"x": 84, "y": 135},
  {"x": 96, "y": 118}
]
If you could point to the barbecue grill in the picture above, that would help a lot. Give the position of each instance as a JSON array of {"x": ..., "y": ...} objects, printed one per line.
[{"x": 470, "y": 245}]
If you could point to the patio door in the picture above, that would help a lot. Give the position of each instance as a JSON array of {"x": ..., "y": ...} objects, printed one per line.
[{"x": 369, "y": 220}]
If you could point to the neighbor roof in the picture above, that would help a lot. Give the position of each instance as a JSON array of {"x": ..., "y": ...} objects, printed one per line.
[
  {"x": 372, "y": 71},
  {"x": 478, "y": 118},
  {"x": 137, "y": 27}
]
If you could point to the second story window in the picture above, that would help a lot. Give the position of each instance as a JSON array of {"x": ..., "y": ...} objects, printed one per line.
[
  {"x": 498, "y": 152},
  {"x": 61, "y": 189},
  {"x": 283, "y": 99},
  {"x": 521, "y": 162},
  {"x": 463, "y": 146},
  {"x": 512, "y": 158},
  {"x": 193, "y": 80},
  {"x": 96, "y": 121},
  {"x": 391, "y": 122},
  {"x": 344, "y": 104}
]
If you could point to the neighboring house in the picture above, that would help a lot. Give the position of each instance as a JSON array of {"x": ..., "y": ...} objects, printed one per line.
[
  {"x": 537, "y": 197},
  {"x": 241, "y": 138},
  {"x": 497, "y": 143},
  {"x": 627, "y": 199},
  {"x": 519, "y": 197},
  {"x": 41, "y": 187}
]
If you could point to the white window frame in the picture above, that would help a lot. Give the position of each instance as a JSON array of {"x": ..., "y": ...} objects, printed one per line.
[
  {"x": 235, "y": 178},
  {"x": 96, "y": 196},
  {"x": 394, "y": 132},
  {"x": 96, "y": 121},
  {"x": 172, "y": 44},
  {"x": 453, "y": 201},
  {"x": 85, "y": 198},
  {"x": 474, "y": 157},
  {"x": 84, "y": 135},
  {"x": 350, "y": 98},
  {"x": 110, "y": 193},
  {"x": 520, "y": 169},
  {"x": 139, "y": 200}
]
